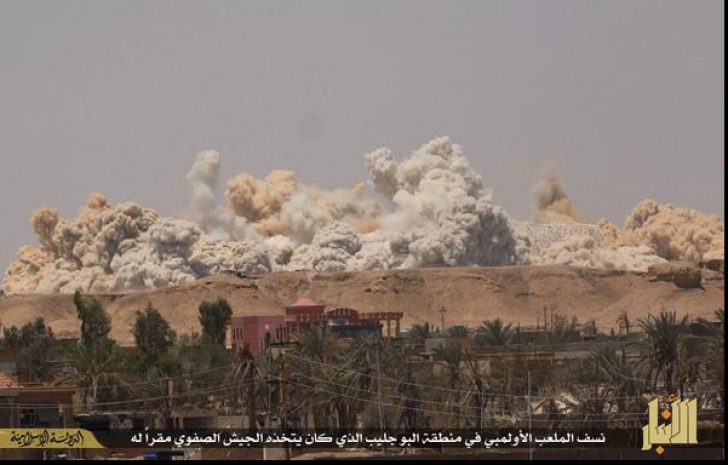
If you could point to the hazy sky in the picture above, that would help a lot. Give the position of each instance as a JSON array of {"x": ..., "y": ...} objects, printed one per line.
[{"x": 625, "y": 99}]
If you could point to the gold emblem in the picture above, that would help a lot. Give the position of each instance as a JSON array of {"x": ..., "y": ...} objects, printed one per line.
[{"x": 683, "y": 427}]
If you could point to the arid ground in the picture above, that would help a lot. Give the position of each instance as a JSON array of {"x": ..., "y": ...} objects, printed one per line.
[{"x": 516, "y": 294}]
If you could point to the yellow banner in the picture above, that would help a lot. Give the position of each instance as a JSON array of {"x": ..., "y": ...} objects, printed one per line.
[{"x": 48, "y": 438}]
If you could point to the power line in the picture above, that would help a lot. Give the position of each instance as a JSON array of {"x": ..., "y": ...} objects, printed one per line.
[
  {"x": 115, "y": 386},
  {"x": 433, "y": 402},
  {"x": 222, "y": 388},
  {"x": 643, "y": 416},
  {"x": 437, "y": 388}
]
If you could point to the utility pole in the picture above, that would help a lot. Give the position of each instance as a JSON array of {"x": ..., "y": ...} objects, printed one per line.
[
  {"x": 442, "y": 316},
  {"x": 270, "y": 380},
  {"x": 379, "y": 395},
  {"x": 530, "y": 436},
  {"x": 284, "y": 410},
  {"x": 481, "y": 411},
  {"x": 272, "y": 452},
  {"x": 168, "y": 388}
]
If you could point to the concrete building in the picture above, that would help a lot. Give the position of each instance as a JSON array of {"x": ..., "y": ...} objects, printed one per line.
[{"x": 33, "y": 405}]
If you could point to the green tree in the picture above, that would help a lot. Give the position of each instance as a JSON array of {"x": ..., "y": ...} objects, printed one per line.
[
  {"x": 623, "y": 383},
  {"x": 14, "y": 337},
  {"x": 38, "y": 345},
  {"x": 458, "y": 331},
  {"x": 418, "y": 333},
  {"x": 494, "y": 333},
  {"x": 247, "y": 376},
  {"x": 214, "y": 317},
  {"x": 714, "y": 361},
  {"x": 453, "y": 357},
  {"x": 95, "y": 322},
  {"x": 662, "y": 340},
  {"x": 201, "y": 363},
  {"x": 102, "y": 372},
  {"x": 152, "y": 334},
  {"x": 590, "y": 329}
]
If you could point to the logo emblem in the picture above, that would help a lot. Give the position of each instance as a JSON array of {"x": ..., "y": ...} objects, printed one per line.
[{"x": 679, "y": 424}]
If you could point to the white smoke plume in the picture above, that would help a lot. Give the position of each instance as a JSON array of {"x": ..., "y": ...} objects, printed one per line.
[
  {"x": 77, "y": 254},
  {"x": 585, "y": 252},
  {"x": 434, "y": 210},
  {"x": 159, "y": 259},
  {"x": 443, "y": 213},
  {"x": 214, "y": 256},
  {"x": 221, "y": 223},
  {"x": 332, "y": 248}
]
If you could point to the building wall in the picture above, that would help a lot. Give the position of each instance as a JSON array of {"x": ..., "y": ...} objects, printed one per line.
[
  {"x": 305, "y": 310},
  {"x": 6, "y": 412},
  {"x": 251, "y": 331}
]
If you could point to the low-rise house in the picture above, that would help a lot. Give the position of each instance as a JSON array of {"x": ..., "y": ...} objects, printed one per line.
[{"x": 33, "y": 405}]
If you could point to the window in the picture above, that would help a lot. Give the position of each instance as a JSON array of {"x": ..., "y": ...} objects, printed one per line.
[{"x": 27, "y": 417}]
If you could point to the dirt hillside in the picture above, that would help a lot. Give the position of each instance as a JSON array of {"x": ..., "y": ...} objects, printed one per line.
[{"x": 517, "y": 294}]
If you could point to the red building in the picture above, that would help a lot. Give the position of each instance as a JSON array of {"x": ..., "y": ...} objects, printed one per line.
[{"x": 251, "y": 331}]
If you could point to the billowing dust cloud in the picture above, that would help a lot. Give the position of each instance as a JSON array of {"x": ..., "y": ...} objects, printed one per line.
[
  {"x": 430, "y": 208},
  {"x": 552, "y": 203},
  {"x": 653, "y": 233}
]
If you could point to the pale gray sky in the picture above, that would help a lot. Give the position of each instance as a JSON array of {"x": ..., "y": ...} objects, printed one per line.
[{"x": 625, "y": 99}]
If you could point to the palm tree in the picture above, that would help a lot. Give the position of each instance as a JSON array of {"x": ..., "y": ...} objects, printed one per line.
[
  {"x": 624, "y": 384},
  {"x": 411, "y": 416},
  {"x": 453, "y": 356},
  {"x": 247, "y": 374},
  {"x": 478, "y": 387},
  {"x": 316, "y": 343},
  {"x": 714, "y": 362},
  {"x": 102, "y": 373},
  {"x": 458, "y": 331},
  {"x": 590, "y": 329},
  {"x": 662, "y": 339},
  {"x": 418, "y": 333},
  {"x": 494, "y": 333},
  {"x": 309, "y": 371}
]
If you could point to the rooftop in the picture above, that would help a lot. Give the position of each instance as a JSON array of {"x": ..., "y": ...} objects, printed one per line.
[
  {"x": 305, "y": 301},
  {"x": 6, "y": 382}
]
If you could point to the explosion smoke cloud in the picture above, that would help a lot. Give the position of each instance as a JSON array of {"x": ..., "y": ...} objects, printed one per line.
[
  {"x": 553, "y": 205},
  {"x": 434, "y": 211}
]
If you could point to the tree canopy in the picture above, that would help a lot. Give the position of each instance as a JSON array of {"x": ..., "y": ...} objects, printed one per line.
[
  {"x": 95, "y": 322},
  {"x": 152, "y": 333},
  {"x": 214, "y": 317}
]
